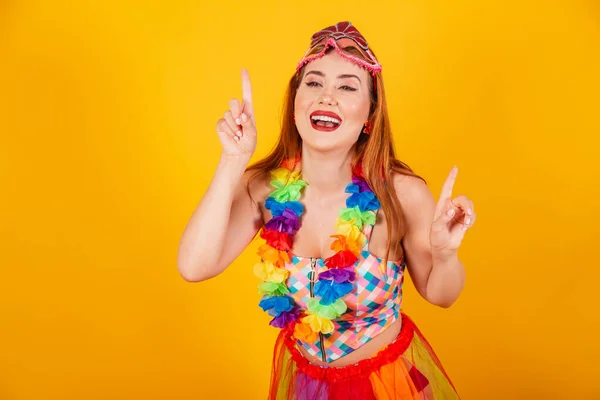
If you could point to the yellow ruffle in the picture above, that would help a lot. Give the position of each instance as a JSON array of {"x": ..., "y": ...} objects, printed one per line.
[
  {"x": 318, "y": 323},
  {"x": 270, "y": 273},
  {"x": 350, "y": 231},
  {"x": 285, "y": 176}
]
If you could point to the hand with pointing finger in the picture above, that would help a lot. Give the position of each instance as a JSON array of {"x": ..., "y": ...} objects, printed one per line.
[
  {"x": 237, "y": 129},
  {"x": 451, "y": 220}
]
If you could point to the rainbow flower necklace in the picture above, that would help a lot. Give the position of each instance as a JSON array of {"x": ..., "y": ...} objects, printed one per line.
[{"x": 278, "y": 233}]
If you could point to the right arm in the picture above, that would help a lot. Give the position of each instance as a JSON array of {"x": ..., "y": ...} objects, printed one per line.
[
  {"x": 227, "y": 218},
  {"x": 223, "y": 224}
]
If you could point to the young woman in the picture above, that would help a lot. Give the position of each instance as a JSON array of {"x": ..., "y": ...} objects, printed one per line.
[{"x": 340, "y": 221}]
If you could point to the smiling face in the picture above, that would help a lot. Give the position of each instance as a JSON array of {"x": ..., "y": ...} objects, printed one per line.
[{"x": 332, "y": 102}]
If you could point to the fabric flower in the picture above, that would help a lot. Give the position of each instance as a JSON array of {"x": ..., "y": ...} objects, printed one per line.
[
  {"x": 284, "y": 318},
  {"x": 342, "y": 243},
  {"x": 360, "y": 217},
  {"x": 277, "y": 208},
  {"x": 287, "y": 192},
  {"x": 338, "y": 275},
  {"x": 269, "y": 272},
  {"x": 285, "y": 175},
  {"x": 291, "y": 163},
  {"x": 358, "y": 170},
  {"x": 303, "y": 331},
  {"x": 350, "y": 230},
  {"x": 352, "y": 188},
  {"x": 276, "y": 305},
  {"x": 277, "y": 240},
  {"x": 341, "y": 259},
  {"x": 272, "y": 289},
  {"x": 363, "y": 186},
  {"x": 318, "y": 323},
  {"x": 329, "y": 311},
  {"x": 329, "y": 291},
  {"x": 287, "y": 223},
  {"x": 277, "y": 257},
  {"x": 365, "y": 201}
]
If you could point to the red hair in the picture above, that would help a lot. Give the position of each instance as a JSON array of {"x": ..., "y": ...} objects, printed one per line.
[{"x": 375, "y": 151}]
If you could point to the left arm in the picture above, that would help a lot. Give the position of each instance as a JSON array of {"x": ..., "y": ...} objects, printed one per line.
[{"x": 432, "y": 237}]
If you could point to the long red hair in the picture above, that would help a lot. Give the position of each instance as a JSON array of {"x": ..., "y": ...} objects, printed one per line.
[{"x": 375, "y": 150}]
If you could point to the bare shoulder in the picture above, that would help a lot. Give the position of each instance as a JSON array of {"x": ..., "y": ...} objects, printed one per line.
[
  {"x": 258, "y": 186},
  {"x": 416, "y": 199}
]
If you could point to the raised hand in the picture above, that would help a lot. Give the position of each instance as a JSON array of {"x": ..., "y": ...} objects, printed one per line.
[
  {"x": 237, "y": 128},
  {"x": 451, "y": 220}
]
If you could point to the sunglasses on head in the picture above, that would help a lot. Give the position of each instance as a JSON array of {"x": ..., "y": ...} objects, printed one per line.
[{"x": 340, "y": 37}]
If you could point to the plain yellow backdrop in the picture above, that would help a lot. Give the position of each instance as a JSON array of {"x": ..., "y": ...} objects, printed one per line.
[{"x": 107, "y": 116}]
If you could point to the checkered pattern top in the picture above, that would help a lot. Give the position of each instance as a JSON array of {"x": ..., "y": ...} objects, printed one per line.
[{"x": 373, "y": 304}]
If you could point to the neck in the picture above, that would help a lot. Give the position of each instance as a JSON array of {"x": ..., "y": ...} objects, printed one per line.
[{"x": 326, "y": 172}]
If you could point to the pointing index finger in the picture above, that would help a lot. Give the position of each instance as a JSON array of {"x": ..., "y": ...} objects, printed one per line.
[
  {"x": 247, "y": 93},
  {"x": 446, "y": 193}
]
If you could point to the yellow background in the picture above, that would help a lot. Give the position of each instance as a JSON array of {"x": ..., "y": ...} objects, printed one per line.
[{"x": 107, "y": 115}]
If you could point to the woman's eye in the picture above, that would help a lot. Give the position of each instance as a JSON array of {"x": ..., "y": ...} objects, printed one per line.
[
  {"x": 349, "y": 88},
  {"x": 312, "y": 84}
]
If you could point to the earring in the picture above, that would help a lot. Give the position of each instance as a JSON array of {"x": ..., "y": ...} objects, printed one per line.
[{"x": 367, "y": 128}]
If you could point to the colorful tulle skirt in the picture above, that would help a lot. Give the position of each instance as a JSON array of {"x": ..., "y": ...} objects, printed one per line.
[{"x": 407, "y": 368}]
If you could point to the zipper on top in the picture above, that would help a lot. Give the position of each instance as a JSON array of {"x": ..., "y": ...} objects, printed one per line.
[{"x": 312, "y": 279}]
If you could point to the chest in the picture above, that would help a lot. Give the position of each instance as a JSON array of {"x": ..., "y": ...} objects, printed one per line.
[
  {"x": 317, "y": 224},
  {"x": 377, "y": 287},
  {"x": 318, "y": 221}
]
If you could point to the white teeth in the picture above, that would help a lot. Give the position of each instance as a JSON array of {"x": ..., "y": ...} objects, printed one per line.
[{"x": 326, "y": 119}]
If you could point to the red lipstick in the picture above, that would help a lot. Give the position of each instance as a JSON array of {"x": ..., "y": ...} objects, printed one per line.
[{"x": 325, "y": 121}]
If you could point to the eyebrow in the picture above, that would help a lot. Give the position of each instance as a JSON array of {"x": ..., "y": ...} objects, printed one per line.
[{"x": 342, "y": 76}]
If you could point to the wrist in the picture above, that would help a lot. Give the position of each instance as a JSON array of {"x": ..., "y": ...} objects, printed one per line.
[
  {"x": 442, "y": 257},
  {"x": 235, "y": 158},
  {"x": 234, "y": 163},
  {"x": 231, "y": 168}
]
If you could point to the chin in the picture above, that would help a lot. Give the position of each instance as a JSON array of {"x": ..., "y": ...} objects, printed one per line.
[{"x": 327, "y": 141}]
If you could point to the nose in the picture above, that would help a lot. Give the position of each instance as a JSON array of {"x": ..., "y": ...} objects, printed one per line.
[{"x": 327, "y": 98}]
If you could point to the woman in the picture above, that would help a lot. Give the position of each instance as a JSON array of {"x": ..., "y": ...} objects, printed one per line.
[{"x": 337, "y": 302}]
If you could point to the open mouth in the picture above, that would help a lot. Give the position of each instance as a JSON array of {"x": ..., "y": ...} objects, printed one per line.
[{"x": 325, "y": 121}]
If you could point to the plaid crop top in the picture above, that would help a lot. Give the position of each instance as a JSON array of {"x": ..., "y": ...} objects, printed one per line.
[{"x": 373, "y": 304}]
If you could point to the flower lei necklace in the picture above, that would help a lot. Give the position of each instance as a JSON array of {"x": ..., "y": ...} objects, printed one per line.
[{"x": 278, "y": 232}]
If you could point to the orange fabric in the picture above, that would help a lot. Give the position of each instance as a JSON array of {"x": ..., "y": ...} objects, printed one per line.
[{"x": 407, "y": 368}]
